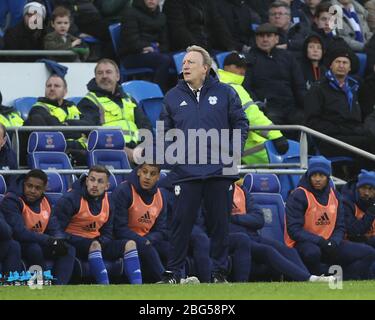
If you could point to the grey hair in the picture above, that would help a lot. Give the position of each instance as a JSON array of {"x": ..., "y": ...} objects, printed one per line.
[
  {"x": 280, "y": 4},
  {"x": 207, "y": 60}
]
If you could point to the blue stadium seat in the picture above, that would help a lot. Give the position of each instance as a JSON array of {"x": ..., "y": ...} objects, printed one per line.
[
  {"x": 55, "y": 187},
  {"x": 106, "y": 147},
  {"x": 75, "y": 100},
  {"x": 23, "y": 105},
  {"x": 115, "y": 32},
  {"x": 288, "y": 182},
  {"x": 362, "y": 57},
  {"x": 265, "y": 189},
  {"x": 220, "y": 57},
  {"x": 46, "y": 150},
  {"x": 148, "y": 96},
  {"x": 178, "y": 60},
  {"x": 3, "y": 187}
]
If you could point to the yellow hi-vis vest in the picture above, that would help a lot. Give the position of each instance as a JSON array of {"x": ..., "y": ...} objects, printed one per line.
[
  {"x": 62, "y": 116},
  {"x": 254, "y": 151},
  {"x": 12, "y": 119},
  {"x": 112, "y": 115}
]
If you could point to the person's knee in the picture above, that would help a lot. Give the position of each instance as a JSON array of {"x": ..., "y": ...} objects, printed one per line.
[
  {"x": 240, "y": 241},
  {"x": 200, "y": 241},
  {"x": 95, "y": 246},
  {"x": 130, "y": 245},
  {"x": 311, "y": 255}
]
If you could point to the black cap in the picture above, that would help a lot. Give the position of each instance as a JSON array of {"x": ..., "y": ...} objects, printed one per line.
[
  {"x": 266, "y": 28},
  {"x": 236, "y": 59},
  {"x": 342, "y": 51}
]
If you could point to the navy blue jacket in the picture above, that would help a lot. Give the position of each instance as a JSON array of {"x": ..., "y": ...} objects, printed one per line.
[
  {"x": 250, "y": 222},
  {"x": 296, "y": 206},
  {"x": 5, "y": 229},
  {"x": 355, "y": 228},
  {"x": 219, "y": 108},
  {"x": 8, "y": 160},
  {"x": 12, "y": 207},
  {"x": 123, "y": 199},
  {"x": 69, "y": 204}
]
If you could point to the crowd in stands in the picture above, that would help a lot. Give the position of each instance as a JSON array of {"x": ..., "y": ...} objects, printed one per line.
[{"x": 289, "y": 61}]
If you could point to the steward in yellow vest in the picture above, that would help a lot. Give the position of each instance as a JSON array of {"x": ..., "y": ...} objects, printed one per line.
[
  {"x": 107, "y": 105},
  {"x": 10, "y": 117},
  {"x": 254, "y": 152},
  {"x": 54, "y": 110}
]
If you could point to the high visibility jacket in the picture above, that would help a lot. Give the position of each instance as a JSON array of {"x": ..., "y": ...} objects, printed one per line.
[
  {"x": 254, "y": 151},
  {"x": 72, "y": 113},
  {"x": 12, "y": 119},
  {"x": 36, "y": 222},
  {"x": 319, "y": 219},
  {"x": 87, "y": 225},
  {"x": 112, "y": 115}
]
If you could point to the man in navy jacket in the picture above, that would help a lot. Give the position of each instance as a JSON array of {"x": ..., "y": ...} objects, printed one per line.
[
  {"x": 201, "y": 102},
  {"x": 28, "y": 212}
]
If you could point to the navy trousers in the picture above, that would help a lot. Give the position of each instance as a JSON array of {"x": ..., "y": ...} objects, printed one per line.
[
  {"x": 10, "y": 256},
  {"x": 240, "y": 249},
  {"x": 279, "y": 257},
  {"x": 36, "y": 254},
  {"x": 216, "y": 197},
  {"x": 355, "y": 259},
  {"x": 199, "y": 250}
]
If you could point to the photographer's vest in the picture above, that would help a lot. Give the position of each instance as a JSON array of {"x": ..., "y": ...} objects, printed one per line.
[
  {"x": 319, "y": 219},
  {"x": 87, "y": 225},
  {"x": 142, "y": 217},
  {"x": 12, "y": 119},
  {"x": 112, "y": 115},
  {"x": 34, "y": 221},
  {"x": 239, "y": 201},
  {"x": 62, "y": 116},
  {"x": 254, "y": 151},
  {"x": 359, "y": 215}
]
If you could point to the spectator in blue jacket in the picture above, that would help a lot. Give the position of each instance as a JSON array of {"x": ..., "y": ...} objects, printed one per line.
[
  {"x": 141, "y": 215},
  {"x": 28, "y": 211},
  {"x": 315, "y": 225},
  {"x": 201, "y": 102},
  {"x": 86, "y": 215},
  {"x": 359, "y": 208},
  {"x": 10, "y": 250},
  {"x": 248, "y": 218}
]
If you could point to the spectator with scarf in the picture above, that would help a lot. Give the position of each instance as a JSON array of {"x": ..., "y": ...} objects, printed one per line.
[
  {"x": 332, "y": 107},
  {"x": 354, "y": 30}
]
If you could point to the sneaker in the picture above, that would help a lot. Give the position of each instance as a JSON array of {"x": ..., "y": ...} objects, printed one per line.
[
  {"x": 219, "y": 278},
  {"x": 322, "y": 278},
  {"x": 190, "y": 280},
  {"x": 168, "y": 277}
]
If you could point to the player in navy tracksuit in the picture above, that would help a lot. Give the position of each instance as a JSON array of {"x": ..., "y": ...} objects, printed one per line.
[
  {"x": 315, "y": 225},
  {"x": 247, "y": 217},
  {"x": 200, "y": 101},
  {"x": 141, "y": 217},
  {"x": 359, "y": 207},
  {"x": 10, "y": 251},
  {"x": 35, "y": 227},
  {"x": 86, "y": 214}
]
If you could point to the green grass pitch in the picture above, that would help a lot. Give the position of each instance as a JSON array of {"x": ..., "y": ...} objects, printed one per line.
[{"x": 247, "y": 291}]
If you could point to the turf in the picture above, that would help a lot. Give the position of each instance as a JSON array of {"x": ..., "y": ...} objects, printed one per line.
[{"x": 274, "y": 290}]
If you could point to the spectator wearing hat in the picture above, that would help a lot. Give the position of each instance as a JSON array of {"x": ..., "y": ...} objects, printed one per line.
[
  {"x": 359, "y": 207},
  {"x": 234, "y": 74},
  {"x": 28, "y": 34},
  {"x": 274, "y": 76},
  {"x": 315, "y": 226},
  {"x": 354, "y": 30},
  {"x": 312, "y": 60},
  {"x": 332, "y": 108}
]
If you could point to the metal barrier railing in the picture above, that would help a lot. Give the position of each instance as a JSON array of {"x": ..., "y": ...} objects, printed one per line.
[
  {"x": 284, "y": 168},
  {"x": 27, "y": 53}
]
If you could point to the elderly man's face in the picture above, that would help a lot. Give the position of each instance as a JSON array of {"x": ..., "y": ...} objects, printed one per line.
[
  {"x": 340, "y": 67},
  {"x": 266, "y": 41},
  {"x": 106, "y": 77}
]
